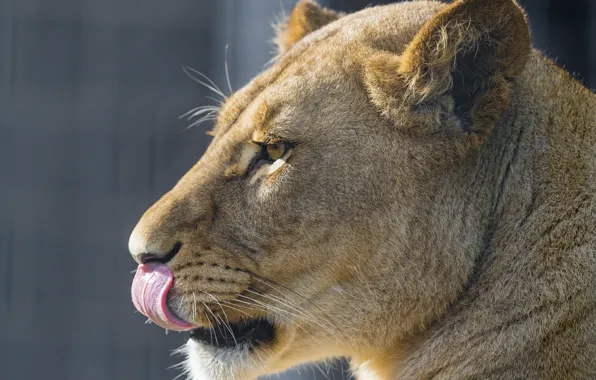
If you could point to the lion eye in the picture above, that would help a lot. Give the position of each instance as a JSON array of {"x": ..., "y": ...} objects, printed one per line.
[
  {"x": 276, "y": 151},
  {"x": 269, "y": 154}
]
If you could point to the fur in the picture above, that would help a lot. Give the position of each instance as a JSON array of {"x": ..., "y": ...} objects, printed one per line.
[{"x": 436, "y": 216}]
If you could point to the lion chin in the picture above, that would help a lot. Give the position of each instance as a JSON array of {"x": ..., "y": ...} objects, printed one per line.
[{"x": 209, "y": 356}]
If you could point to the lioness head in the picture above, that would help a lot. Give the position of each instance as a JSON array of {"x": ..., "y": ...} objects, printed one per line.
[{"x": 323, "y": 220}]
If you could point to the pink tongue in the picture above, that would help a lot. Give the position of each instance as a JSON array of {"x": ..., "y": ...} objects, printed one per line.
[{"x": 150, "y": 287}]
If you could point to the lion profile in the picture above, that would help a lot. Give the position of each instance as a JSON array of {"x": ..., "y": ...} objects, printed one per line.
[{"x": 411, "y": 186}]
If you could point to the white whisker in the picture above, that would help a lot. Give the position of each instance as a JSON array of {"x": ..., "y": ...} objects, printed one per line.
[
  {"x": 194, "y": 307},
  {"x": 224, "y": 312},
  {"x": 329, "y": 325},
  {"x": 198, "y": 111},
  {"x": 211, "y": 328},
  {"x": 279, "y": 300},
  {"x": 218, "y": 101},
  {"x": 229, "y": 305},
  {"x": 217, "y": 321},
  {"x": 311, "y": 319},
  {"x": 226, "y": 70},
  {"x": 266, "y": 307},
  {"x": 210, "y": 85}
]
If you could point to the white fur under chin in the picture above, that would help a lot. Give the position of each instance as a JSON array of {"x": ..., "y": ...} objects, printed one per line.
[{"x": 209, "y": 363}]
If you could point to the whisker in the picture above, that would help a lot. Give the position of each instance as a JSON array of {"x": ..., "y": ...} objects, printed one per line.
[
  {"x": 211, "y": 115},
  {"x": 324, "y": 373},
  {"x": 216, "y": 321},
  {"x": 218, "y": 101},
  {"x": 224, "y": 313},
  {"x": 278, "y": 299},
  {"x": 226, "y": 70},
  {"x": 197, "y": 111},
  {"x": 198, "y": 122},
  {"x": 268, "y": 282},
  {"x": 194, "y": 306},
  {"x": 265, "y": 308},
  {"x": 211, "y": 329},
  {"x": 229, "y": 305},
  {"x": 210, "y": 85},
  {"x": 258, "y": 307},
  {"x": 203, "y": 113},
  {"x": 278, "y": 310},
  {"x": 262, "y": 280},
  {"x": 312, "y": 320}
]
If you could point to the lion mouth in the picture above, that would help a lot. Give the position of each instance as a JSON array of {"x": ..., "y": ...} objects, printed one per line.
[
  {"x": 149, "y": 291},
  {"x": 250, "y": 333}
]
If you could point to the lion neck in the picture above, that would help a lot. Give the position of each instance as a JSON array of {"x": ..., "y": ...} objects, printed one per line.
[{"x": 475, "y": 220}]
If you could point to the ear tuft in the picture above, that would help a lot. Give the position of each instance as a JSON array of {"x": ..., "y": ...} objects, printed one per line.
[
  {"x": 459, "y": 68},
  {"x": 306, "y": 17},
  {"x": 479, "y": 37}
]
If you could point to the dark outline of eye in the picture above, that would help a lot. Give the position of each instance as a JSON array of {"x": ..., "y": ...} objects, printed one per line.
[{"x": 263, "y": 157}]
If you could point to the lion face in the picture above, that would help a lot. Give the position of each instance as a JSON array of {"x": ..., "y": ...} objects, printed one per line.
[
  {"x": 275, "y": 248},
  {"x": 283, "y": 205}
]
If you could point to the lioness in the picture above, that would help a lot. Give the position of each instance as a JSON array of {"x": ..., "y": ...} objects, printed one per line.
[{"x": 410, "y": 186}]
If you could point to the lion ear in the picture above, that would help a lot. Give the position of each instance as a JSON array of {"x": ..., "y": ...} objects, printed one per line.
[
  {"x": 459, "y": 65},
  {"x": 306, "y": 17}
]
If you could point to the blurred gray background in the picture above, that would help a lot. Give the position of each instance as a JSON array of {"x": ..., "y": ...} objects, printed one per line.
[{"x": 90, "y": 94}]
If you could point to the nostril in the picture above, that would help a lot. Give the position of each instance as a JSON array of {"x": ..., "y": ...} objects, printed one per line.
[
  {"x": 145, "y": 258},
  {"x": 148, "y": 257}
]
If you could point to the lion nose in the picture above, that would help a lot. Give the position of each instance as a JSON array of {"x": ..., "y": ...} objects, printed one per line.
[
  {"x": 143, "y": 250},
  {"x": 171, "y": 224},
  {"x": 145, "y": 257}
]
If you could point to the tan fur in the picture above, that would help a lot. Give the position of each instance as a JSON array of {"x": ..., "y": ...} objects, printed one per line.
[
  {"x": 436, "y": 216},
  {"x": 306, "y": 17}
]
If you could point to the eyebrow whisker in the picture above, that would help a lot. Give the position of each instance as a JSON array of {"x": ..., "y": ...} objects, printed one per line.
[{"x": 209, "y": 84}]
